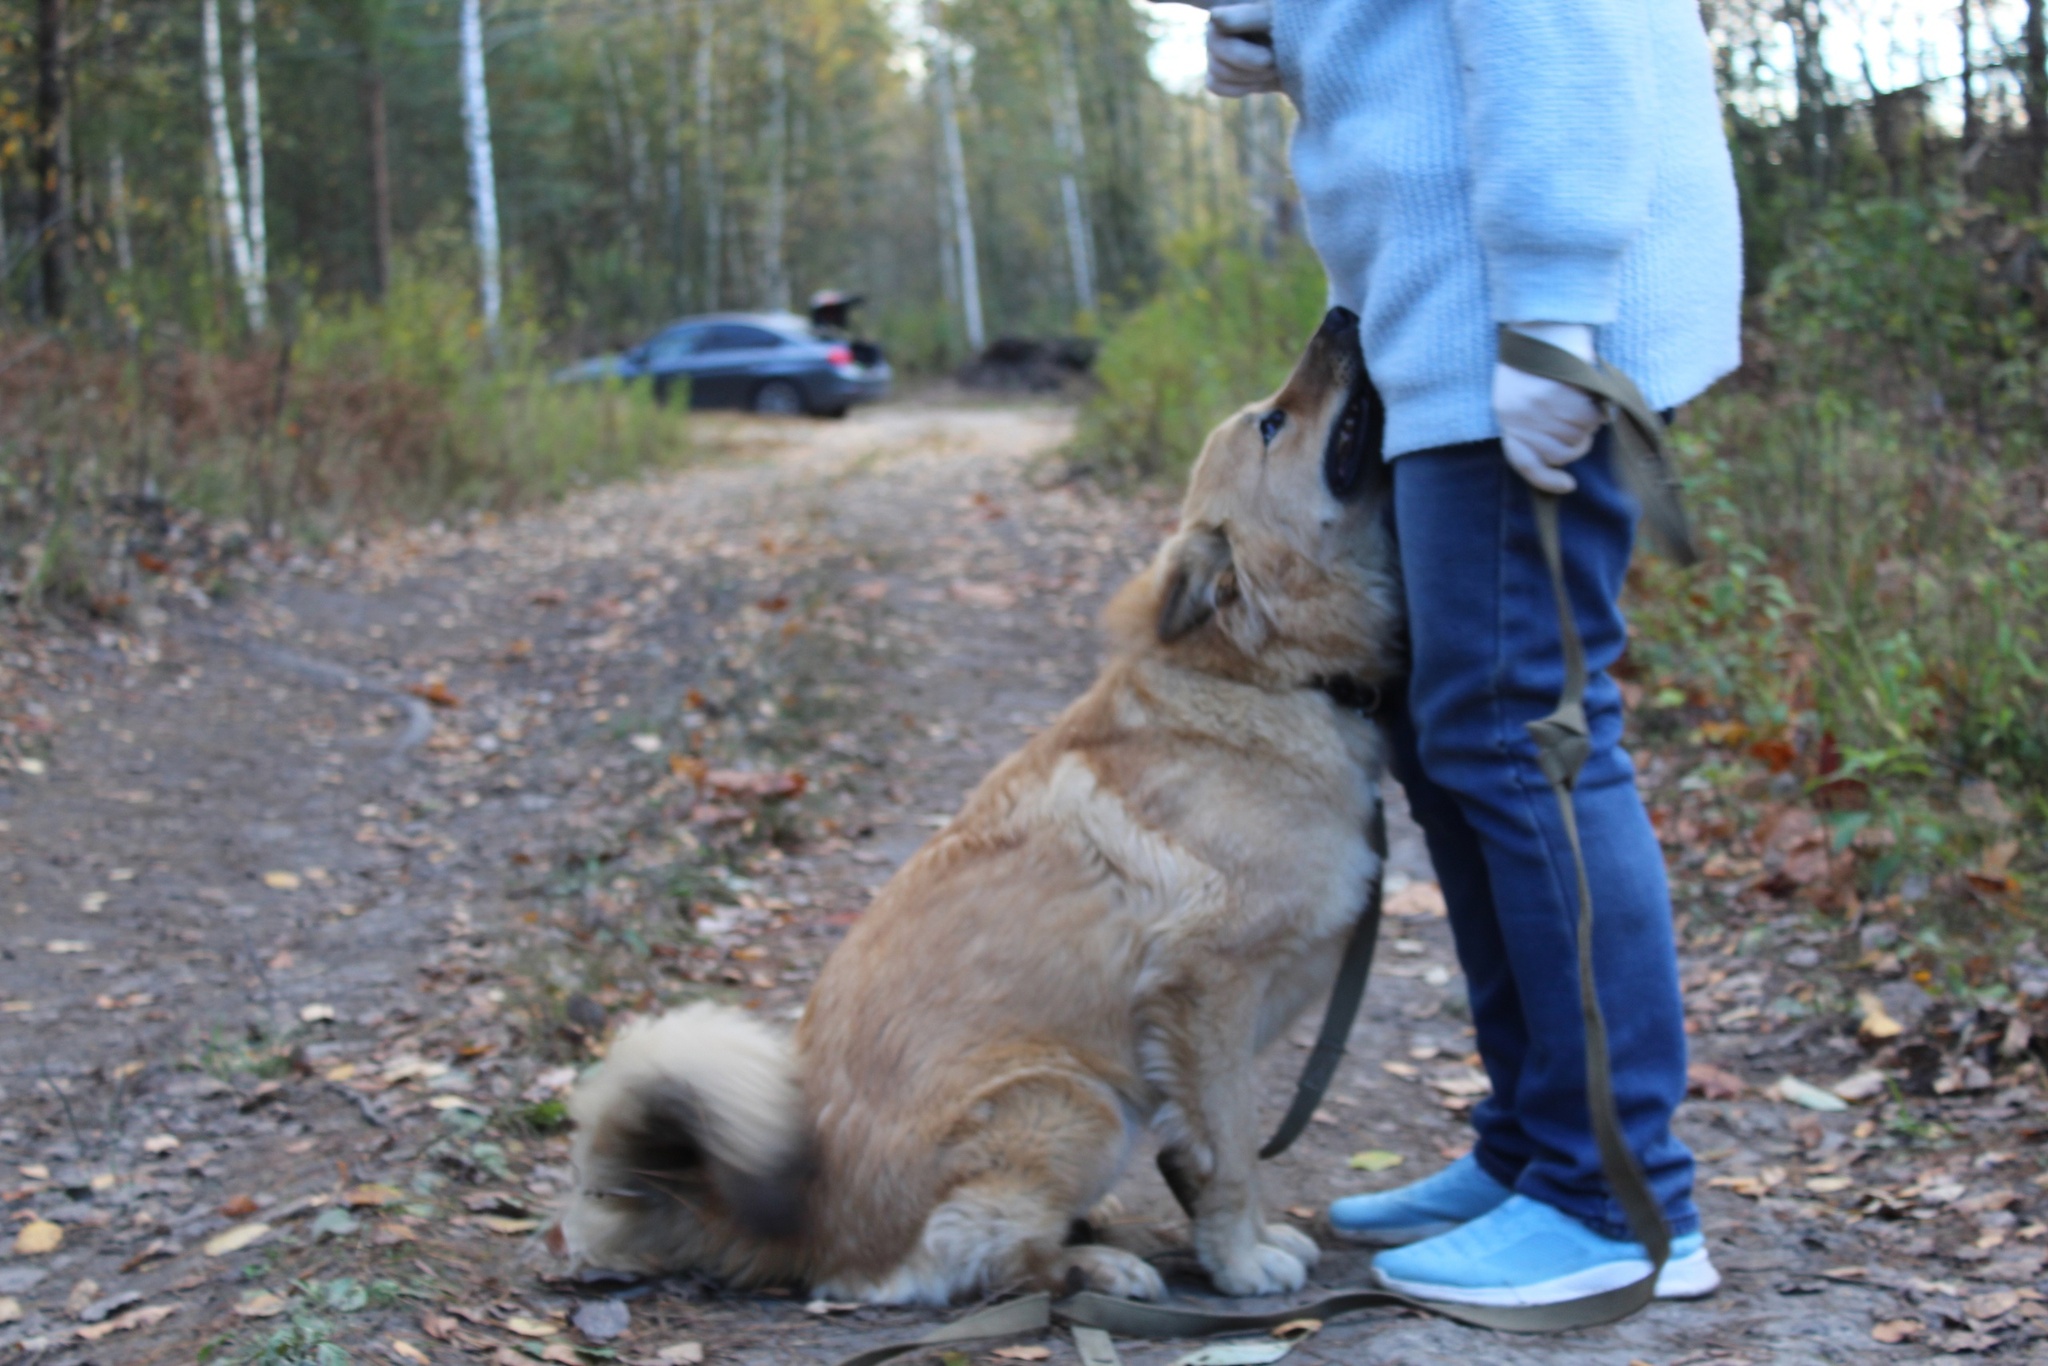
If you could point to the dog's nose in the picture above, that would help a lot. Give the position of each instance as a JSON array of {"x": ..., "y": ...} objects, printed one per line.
[{"x": 1337, "y": 345}]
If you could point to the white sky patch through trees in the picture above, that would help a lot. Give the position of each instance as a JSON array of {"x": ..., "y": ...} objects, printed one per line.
[{"x": 1906, "y": 42}]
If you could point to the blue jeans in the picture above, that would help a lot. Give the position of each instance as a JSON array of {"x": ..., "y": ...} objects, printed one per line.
[{"x": 1485, "y": 659}]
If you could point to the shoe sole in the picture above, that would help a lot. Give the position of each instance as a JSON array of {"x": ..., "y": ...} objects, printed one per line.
[
  {"x": 1689, "y": 1277},
  {"x": 1392, "y": 1237}
]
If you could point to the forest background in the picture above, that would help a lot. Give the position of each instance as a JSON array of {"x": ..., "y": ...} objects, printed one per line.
[{"x": 275, "y": 270}]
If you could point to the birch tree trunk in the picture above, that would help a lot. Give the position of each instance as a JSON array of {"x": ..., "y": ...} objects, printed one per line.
[
  {"x": 226, "y": 167},
  {"x": 774, "y": 267},
  {"x": 956, "y": 181},
  {"x": 47, "y": 164},
  {"x": 615, "y": 125},
  {"x": 2036, "y": 58},
  {"x": 1067, "y": 138},
  {"x": 672, "y": 152},
  {"x": 117, "y": 210},
  {"x": 252, "y": 149},
  {"x": 707, "y": 150},
  {"x": 483, "y": 178}
]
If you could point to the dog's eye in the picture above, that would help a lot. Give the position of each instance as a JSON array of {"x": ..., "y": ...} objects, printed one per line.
[{"x": 1270, "y": 425}]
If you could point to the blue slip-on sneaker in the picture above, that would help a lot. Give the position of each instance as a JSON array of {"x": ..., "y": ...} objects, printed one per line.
[
  {"x": 1525, "y": 1252},
  {"x": 1421, "y": 1209}
]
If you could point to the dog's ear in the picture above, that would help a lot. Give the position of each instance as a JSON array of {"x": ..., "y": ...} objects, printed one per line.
[{"x": 1201, "y": 576}]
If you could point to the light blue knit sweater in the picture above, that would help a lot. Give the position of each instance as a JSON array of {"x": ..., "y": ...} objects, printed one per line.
[{"x": 1469, "y": 162}]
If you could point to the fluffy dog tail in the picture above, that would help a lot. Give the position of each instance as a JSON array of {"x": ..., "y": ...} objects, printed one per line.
[{"x": 692, "y": 1150}]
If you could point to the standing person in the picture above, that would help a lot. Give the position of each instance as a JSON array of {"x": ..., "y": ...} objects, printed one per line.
[{"x": 1556, "y": 167}]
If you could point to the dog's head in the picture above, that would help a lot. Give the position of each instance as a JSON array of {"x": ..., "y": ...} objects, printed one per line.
[{"x": 1281, "y": 572}]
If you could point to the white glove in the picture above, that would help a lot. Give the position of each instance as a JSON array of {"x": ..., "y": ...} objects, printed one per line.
[
  {"x": 1241, "y": 50},
  {"x": 1545, "y": 425}
]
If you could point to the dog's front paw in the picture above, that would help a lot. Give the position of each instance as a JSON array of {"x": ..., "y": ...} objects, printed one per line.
[
  {"x": 1293, "y": 1242},
  {"x": 1111, "y": 1271},
  {"x": 1262, "y": 1269}
]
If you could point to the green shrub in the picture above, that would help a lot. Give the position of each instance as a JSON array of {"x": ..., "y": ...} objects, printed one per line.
[{"x": 1227, "y": 327}]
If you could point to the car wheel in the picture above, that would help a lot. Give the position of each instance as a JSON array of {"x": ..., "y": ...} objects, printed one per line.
[
  {"x": 661, "y": 391},
  {"x": 779, "y": 398}
]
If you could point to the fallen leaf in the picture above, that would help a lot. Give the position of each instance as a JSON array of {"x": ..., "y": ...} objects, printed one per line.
[
  {"x": 1875, "y": 1022},
  {"x": 279, "y": 880},
  {"x": 235, "y": 1239},
  {"x": 38, "y": 1236},
  {"x": 602, "y": 1320},
  {"x": 1374, "y": 1160},
  {"x": 1898, "y": 1330},
  {"x": 434, "y": 693},
  {"x": 731, "y": 782},
  {"x": 1860, "y": 1086},
  {"x": 10, "y": 1309},
  {"x": 830, "y": 1307},
  {"x": 82, "y": 1294},
  {"x": 561, "y": 1353},
  {"x": 260, "y": 1304},
  {"x": 532, "y": 1328},
  {"x": 646, "y": 742},
  {"x": 316, "y": 1013},
  {"x": 1028, "y": 1353},
  {"x": 405, "y": 1351},
  {"x": 372, "y": 1196},
  {"x": 1828, "y": 1185},
  {"x": 68, "y": 946},
  {"x": 1402, "y": 1070},
  {"x": 498, "y": 1223},
  {"x": 1791, "y": 1089},
  {"x": 146, "y": 1317},
  {"x": 681, "y": 1354},
  {"x": 1992, "y": 1304},
  {"x": 238, "y": 1207},
  {"x": 156, "y": 1145},
  {"x": 1709, "y": 1082},
  {"x": 1298, "y": 1328},
  {"x": 439, "y": 1327}
]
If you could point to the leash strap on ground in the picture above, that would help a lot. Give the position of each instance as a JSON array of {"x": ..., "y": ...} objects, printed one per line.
[{"x": 1011, "y": 1318}]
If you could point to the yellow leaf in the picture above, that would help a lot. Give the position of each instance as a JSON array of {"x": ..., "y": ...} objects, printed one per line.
[
  {"x": 1374, "y": 1160},
  {"x": 37, "y": 1237},
  {"x": 532, "y": 1328},
  {"x": 1877, "y": 1022},
  {"x": 372, "y": 1196},
  {"x": 281, "y": 881},
  {"x": 10, "y": 1309},
  {"x": 498, "y": 1223},
  {"x": 405, "y": 1351},
  {"x": 235, "y": 1239}
]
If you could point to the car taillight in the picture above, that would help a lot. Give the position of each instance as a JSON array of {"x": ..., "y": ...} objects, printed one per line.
[{"x": 839, "y": 355}]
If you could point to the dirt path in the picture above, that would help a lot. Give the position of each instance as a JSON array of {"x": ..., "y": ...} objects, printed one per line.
[{"x": 310, "y": 903}]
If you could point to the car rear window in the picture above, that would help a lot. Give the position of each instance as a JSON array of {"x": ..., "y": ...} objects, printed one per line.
[{"x": 739, "y": 337}]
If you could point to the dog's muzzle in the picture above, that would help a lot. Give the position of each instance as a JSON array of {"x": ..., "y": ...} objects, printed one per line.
[{"x": 1352, "y": 456}]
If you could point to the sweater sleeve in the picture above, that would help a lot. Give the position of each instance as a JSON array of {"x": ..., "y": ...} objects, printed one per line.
[{"x": 1558, "y": 113}]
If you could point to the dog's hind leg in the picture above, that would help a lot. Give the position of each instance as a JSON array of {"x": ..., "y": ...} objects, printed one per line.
[{"x": 1033, "y": 1155}]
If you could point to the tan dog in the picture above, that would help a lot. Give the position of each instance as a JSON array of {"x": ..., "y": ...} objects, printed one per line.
[{"x": 1121, "y": 917}]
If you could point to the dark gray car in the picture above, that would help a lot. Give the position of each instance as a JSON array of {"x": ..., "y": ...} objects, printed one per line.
[{"x": 762, "y": 362}]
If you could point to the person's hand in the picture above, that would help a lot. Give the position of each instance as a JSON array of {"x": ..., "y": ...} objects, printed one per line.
[
  {"x": 1545, "y": 425},
  {"x": 1241, "y": 49}
]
